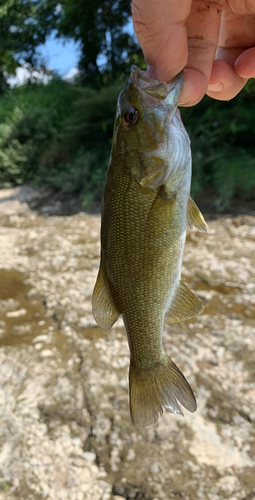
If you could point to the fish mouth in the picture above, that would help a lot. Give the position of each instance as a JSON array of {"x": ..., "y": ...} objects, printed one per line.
[{"x": 159, "y": 90}]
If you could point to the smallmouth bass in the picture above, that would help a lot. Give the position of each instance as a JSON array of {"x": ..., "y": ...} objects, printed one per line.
[{"x": 145, "y": 210}]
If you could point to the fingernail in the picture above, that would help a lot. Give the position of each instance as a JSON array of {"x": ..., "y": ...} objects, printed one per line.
[{"x": 216, "y": 87}]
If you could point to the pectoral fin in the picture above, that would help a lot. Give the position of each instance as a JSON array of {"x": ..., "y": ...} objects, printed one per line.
[
  {"x": 195, "y": 218},
  {"x": 185, "y": 305},
  {"x": 103, "y": 307}
]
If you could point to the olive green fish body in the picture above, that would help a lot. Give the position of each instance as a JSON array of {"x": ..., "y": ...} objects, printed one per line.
[
  {"x": 143, "y": 261},
  {"x": 144, "y": 218}
]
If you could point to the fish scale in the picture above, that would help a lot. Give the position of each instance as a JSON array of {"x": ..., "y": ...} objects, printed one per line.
[{"x": 145, "y": 210}]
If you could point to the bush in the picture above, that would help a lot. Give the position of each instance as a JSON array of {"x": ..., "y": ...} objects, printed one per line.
[
  {"x": 84, "y": 175},
  {"x": 223, "y": 147},
  {"x": 13, "y": 155},
  {"x": 60, "y": 135},
  {"x": 63, "y": 144},
  {"x": 22, "y": 139},
  {"x": 234, "y": 176}
]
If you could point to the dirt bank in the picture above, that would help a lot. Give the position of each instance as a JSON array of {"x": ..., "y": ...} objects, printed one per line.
[{"x": 65, "y": 430}]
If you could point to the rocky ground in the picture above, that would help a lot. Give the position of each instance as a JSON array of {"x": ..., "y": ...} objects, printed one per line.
[{"x": 65, "y": 429}]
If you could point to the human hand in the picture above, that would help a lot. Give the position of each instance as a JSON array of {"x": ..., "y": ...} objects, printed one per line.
[{"x": 214, "y": 41}]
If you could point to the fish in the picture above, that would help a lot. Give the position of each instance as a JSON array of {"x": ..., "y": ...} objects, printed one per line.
[{"x": 145, "y": 210}]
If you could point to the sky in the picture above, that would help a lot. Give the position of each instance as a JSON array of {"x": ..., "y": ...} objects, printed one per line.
[{"x": 60, "y": 55}]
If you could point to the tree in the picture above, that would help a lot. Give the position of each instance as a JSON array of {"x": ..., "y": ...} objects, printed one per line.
[
  {"x": 24, "y": 24},
  {"x": 99, "y": 27}
]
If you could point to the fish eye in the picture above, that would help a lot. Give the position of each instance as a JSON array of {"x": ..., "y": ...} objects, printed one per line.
[{"x": 131, "y": 116}]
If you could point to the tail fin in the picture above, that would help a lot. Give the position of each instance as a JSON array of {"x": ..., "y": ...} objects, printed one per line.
[{"x": 161, "y": 387}]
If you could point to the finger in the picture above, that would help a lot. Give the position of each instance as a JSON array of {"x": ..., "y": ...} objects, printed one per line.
[
  {"x": 193, "y": 88},
  {"x": 165, "y": 63},
  {"x": 203, "y": 26},
  {"x": 236, "y": 30},
  {"x": 242, "y": 8},
  {"x": 160, "y": 30},
  {"x": 225, "y": 83},
  {"x": 245, "y": 64}
]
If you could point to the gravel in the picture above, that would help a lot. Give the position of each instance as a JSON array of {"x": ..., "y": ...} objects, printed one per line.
[{"x": 64, "y": 418}]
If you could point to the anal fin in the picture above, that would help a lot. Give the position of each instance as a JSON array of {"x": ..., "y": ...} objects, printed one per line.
[
  {"x": 195, "y": 218},
  {"x": 103, "y": 307},
  {"x": 185, "y": 305}
]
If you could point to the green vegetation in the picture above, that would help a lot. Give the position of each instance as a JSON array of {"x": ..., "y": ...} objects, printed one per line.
[
  {"x": 24, "y": 25},
  {"x": 59, "y": 134},
  {"x": 4, "y": 487},
  {"x": 222, "y": 138},
  {"x": 99, "y": 26}
]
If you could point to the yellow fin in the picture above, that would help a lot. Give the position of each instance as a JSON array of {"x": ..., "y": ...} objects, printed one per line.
[
  {"x": 185, "y": 305},
  {"x": 160, "y": 387},
  {"x": 103, "y": 307},
  {"x": 195, "y": 218}
]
